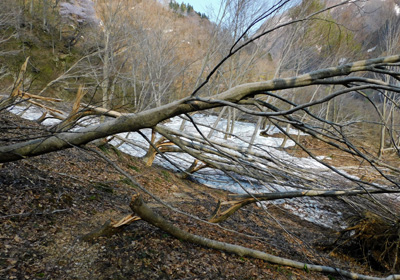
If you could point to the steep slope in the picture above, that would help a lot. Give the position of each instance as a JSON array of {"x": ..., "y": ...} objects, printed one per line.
[{"x": 364, "y": 21}]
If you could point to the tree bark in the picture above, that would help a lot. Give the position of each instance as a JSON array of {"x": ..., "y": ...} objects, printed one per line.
[
  {"x": 140, "y": 208},
  {"x": 246, "y": 199},
  {"x": 152, "y": 117}
]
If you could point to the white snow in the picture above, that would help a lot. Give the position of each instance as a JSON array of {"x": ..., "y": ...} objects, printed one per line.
[
  {"x": 371, "y": 49},
  {"x": 33, "y": 113},
  {"x": 307, "y": 208},
  {"x": 342, "y": 60},
  {"x": 397, "y": 9}
]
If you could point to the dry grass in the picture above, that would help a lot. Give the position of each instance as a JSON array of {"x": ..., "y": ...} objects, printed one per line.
[{"x": 372, "y": 239}]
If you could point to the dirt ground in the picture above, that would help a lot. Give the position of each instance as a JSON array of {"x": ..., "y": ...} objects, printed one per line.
[{"x": 48, "y": 203}]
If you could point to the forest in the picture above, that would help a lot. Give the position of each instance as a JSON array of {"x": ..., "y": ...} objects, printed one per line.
[{"x": 147, "y": 140}]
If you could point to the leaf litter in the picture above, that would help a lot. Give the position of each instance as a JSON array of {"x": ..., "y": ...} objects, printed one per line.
[{"x": 50, "y": 201}]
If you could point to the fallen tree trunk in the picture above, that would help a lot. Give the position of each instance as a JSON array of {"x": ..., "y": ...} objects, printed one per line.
[
  {"x": 246, "y": 199},
  {"x": 152, "y": 117},
  {"x": 140, "y": 208}
]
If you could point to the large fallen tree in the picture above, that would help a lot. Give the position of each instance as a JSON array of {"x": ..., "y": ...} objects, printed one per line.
[
  {"x": 242, "y": 94},
  {"x": 245, "y": 163}
]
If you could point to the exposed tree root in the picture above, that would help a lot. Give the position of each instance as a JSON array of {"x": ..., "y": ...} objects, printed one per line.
[{"x": 139, "y": 207}]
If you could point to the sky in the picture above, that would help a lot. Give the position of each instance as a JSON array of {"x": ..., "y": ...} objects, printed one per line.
[{"x": 202, "y": 5}]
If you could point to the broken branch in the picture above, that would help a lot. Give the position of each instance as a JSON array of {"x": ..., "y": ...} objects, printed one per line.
[
  {"x": 246, "y": 199},
  {"x": 139, "y": 207}
]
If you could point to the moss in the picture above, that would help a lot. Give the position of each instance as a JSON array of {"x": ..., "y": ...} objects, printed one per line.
[
  {"x": 137, "y": 169},
  {"x": 158, "y": 180},
  {"x": 128, "y": 182},
  {"x": 44, "y": 49},
  {"x": 166, "y": 175},
  {"x": 103, "y": 187}
]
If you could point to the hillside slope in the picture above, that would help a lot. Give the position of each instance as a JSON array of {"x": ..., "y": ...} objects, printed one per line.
[{"x": 51, "y": 201}]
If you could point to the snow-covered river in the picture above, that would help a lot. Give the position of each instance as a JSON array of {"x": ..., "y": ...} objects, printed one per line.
[{"x": 307, "y": 208}]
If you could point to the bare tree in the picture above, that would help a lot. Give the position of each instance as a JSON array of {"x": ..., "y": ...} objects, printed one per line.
[
  {"x": 137, "y": 63},
  {"x": 390, "y": 35},
  {"x": 262, "y": 165},
  {"x": 157, "y": 58},
  {"x": 10, "y": 18}
]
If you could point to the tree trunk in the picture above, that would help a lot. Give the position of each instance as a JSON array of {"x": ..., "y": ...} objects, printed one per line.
[{"x": 140, "y": 208}]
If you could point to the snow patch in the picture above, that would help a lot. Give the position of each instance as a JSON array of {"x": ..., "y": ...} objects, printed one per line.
[
  {"x": 32, "y": 113},
  {"x": 397, "y": 9},
  {"x": 342, "y": 60},
  {"x": 371, "y": 49}
]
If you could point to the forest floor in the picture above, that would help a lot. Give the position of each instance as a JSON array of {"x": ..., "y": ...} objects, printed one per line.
[{"x": 48, "y": 203}]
